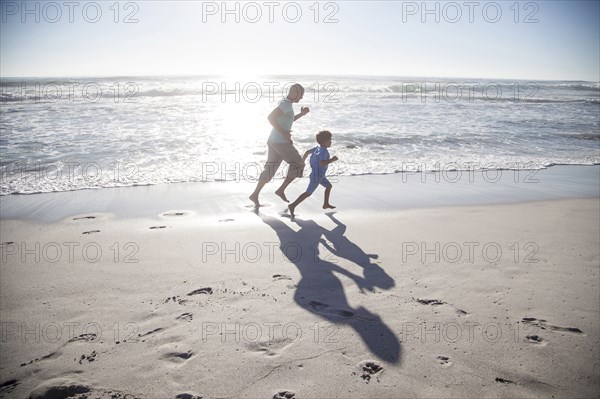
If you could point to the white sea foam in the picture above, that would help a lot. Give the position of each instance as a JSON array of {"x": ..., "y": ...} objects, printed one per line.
[{"x": 68, "y": 134}]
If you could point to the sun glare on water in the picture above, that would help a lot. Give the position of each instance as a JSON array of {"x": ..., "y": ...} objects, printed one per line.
[{"x": 240, "y": 109}]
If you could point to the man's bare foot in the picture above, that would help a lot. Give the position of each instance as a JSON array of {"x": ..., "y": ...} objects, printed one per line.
[
  {"x": 291, "y": 209},
  {"x": 281, "y": 195},
  {"x": 328, "y": 206},
  {"x": 254, "y": 198}
]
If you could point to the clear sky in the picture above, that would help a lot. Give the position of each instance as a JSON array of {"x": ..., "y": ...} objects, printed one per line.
[{"x": 469, "y": 39}]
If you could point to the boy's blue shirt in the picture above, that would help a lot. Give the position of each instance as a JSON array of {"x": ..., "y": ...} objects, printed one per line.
[{"x": 319, "y": 153}]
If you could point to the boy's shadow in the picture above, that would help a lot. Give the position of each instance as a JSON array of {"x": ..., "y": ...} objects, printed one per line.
[
  {"x": 321, "y": 292},
  {"x": 374, "y": 276}
]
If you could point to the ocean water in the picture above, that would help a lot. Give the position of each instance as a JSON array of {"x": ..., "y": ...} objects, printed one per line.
[{"x": 79, "y": 133}]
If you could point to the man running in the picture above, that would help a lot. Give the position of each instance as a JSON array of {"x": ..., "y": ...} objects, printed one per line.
[{"x": 280, "y": 145}]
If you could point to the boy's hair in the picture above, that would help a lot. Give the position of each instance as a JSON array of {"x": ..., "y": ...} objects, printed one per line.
[{"x": 323, "y": 136}]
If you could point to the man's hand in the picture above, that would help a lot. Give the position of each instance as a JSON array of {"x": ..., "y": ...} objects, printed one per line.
[
  {"x": 334, "y": 159},
  {"x": 304, "y": 110}
]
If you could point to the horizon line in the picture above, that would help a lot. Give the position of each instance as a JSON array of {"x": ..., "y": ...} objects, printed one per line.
[{"x": 182, "y": 75}]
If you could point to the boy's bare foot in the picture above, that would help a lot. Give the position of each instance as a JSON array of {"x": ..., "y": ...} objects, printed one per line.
[
  {"x": 291, "y": 209},
  {"x": 255, "y": 200},
  {"x": 328, "y": 206},
  {"x": 281, "y": 195}
]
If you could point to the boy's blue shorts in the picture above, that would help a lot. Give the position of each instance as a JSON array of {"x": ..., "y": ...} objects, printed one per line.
[{"x": 315, "y": 180}]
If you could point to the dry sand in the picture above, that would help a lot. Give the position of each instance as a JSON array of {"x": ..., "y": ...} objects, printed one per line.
[{"x": 459, "y": 301}]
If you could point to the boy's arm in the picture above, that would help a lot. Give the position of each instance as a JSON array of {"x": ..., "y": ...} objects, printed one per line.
[
  {"x": 276, "y": 113},
  {"x": 328, "y": 161},
  {"x": 303, "y": 111}
]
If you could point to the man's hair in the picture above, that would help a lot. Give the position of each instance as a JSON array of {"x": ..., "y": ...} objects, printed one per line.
[
  {"x": 296, "y": 89},
  {"x": 323, "y": 136}
]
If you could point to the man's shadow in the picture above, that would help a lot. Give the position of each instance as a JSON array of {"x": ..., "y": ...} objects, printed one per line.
[{"x": 321, "y": 292}]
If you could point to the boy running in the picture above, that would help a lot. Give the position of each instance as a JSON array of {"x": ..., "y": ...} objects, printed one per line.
[{"x": 319, "y": 160}]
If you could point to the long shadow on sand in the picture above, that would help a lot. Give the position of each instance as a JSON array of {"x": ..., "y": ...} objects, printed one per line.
[{"x": 321, "y": 292}]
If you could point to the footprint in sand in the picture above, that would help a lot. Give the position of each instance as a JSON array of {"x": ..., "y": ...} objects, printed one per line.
[
  {"x": 543, "y": 324},
  {"x": 284, "y": 395},
  {"x": 8, "y": 386},
  {"x": 50, "y": 356},
  {"x": 503, "y": 381},
  {"x": 370, "y": 369},
  {"x": 535, "y": 339},
  {"x": 281, "y": 277},
  {"x": 437, "y": 302},
  {"x": 271, "y": 347},
  {"x": 90, "y": 337},
  {"x": 150, "y": 332},
  {"x": 323, "y": 308},
  {"x": 175, "y": 299},
  {"x": 206, "y": 290},
  {"x": 91, "y": 232},
  {"x": 60, "y": 388},
  {"x": 175, "y": 213},
  {"x": 85, "y": 338},
  {"x": 90, "y": 358},
  {"x": 432, "y": 302},
  {"x": 84, "y": 217},
  {"x": 185, "y": 317},
  {"x": 444, "y": 360},
  {"x": 177, "y": 357},
  {"x": 187, "y": 396}
]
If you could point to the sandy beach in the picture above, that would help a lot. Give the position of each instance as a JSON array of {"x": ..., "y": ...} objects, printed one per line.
[{"x": 195, "y": 295}]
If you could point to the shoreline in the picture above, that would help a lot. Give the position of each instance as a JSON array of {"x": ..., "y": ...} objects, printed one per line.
[{"x": 351, "y": 193}]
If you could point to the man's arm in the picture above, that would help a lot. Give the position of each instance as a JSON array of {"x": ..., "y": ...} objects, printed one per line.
[
  {"x": 276, "y": 113},
  {"x": 303, "y": 111},
  {"x": 306, "y": 154}
]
